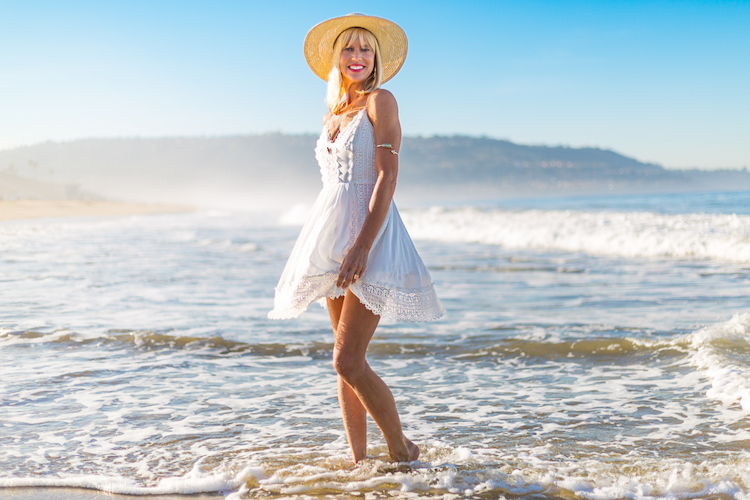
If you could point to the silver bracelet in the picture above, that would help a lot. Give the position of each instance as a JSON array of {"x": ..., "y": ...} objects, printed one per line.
[{"x": 387, "y": 145}]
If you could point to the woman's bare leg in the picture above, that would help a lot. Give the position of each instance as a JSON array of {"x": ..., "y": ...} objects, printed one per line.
[
  {"x": 355, "y": 327},
  {"x": 354, "y": 416},
  {"x": 353, "y": 412}
]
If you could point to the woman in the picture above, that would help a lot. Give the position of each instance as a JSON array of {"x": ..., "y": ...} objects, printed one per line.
[{"x": 354, "y": 254}]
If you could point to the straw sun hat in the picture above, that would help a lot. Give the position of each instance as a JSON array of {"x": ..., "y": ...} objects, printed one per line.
[{"x": 391, "y": 38}]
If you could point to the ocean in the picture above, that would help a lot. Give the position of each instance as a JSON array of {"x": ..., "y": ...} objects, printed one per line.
[{"x": 594, "y": 347}]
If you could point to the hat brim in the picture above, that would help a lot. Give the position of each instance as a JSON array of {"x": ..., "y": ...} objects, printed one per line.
[{"x": 391, "y": 39}]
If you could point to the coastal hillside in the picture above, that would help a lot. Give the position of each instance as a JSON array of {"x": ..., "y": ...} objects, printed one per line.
[{"x": 273, "y": 169}]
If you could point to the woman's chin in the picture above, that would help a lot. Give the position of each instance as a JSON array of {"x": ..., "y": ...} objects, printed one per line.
[{"x": 356, "y": 77}]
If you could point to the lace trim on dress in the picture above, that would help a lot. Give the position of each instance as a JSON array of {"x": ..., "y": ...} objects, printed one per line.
[
  {"x": 362, "y": 191},
  {"x": 362, "y": 144},
  {"x": 400, "y": 304},
  {"x": 346, "y": 159},
  {"x": 296, "y": 299}
]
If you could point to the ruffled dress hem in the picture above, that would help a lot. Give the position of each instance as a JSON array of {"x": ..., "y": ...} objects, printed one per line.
[{"x": 405, "y": 305}]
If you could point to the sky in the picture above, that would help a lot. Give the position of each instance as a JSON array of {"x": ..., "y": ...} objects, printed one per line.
[{"x": 665, "y": 82}]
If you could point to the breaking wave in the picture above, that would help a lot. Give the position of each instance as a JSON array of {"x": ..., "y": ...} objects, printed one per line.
[{"x": 625, "y": 234}]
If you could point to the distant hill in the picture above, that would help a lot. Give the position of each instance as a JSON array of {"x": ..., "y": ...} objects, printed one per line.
[
  {"x": 491, "y": 164},
  {"x": 277, "y": 169}
]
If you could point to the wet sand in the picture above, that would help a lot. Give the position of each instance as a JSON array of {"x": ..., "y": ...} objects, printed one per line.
[
  {"x": 35, "y": 209},
  {"x": 83, "y": 494}
]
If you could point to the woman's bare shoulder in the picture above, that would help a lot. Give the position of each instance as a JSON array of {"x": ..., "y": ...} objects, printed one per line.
[
  {"x": 381, "y": 103},
  {"x": 326, "y": 117}
]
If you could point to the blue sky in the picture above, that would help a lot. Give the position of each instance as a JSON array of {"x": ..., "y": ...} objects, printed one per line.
[{"x": 664, "y": 82}]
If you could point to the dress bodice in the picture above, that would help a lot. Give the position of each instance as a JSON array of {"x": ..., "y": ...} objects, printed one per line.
[{"x": 350, "y": 158}]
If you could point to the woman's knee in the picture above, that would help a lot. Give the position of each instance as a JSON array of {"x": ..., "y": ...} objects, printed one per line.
[
  {"x": 348, "y": 366},
  {"x": 350, "y": 348}
]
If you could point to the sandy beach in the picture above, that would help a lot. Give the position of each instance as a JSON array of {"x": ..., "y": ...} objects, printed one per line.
[
  {"x": 35, "y": 209},
  {"x": 82, "y": 494}
]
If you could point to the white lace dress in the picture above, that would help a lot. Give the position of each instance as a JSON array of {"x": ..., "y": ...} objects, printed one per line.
[{"x": 395, "y": 284}]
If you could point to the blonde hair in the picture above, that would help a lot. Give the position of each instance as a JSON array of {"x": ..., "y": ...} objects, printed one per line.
[{"x": 336, "y": 88}]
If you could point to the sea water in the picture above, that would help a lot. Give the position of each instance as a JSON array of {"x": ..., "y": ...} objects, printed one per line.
[{"x": 593, "y": 347}]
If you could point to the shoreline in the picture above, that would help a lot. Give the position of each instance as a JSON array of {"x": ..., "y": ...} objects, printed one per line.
[
  {"x": 66, "y": 493},
  {"x": 39, "y": 209}
]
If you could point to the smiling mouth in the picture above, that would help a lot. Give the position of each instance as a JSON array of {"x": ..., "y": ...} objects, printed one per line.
[{"x": 356, "y": 67}]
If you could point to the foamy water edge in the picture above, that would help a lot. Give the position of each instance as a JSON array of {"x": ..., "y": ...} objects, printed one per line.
[{"x": 624, "y": 234}]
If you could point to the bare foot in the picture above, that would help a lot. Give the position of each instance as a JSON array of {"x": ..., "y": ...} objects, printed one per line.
[{"x": 412, "y": 453}]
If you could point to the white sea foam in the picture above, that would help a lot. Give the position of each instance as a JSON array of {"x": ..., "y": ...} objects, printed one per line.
[
  {"x": 195, "y": 481},
  {"x": 722, "y": 351},
  {"x": 626, "y": 234},
  {"x": 651, "y": 479},
  {"x": 483, "y": 475}
]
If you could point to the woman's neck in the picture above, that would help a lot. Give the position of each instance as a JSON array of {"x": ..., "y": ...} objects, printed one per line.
[{"x": 353, "y": 92}]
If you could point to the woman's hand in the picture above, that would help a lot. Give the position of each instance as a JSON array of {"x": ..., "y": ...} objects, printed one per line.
[{"x": 353, "y": 266}]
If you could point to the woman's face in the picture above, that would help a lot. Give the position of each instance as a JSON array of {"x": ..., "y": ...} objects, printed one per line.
[{"x": 356, "y": 62}]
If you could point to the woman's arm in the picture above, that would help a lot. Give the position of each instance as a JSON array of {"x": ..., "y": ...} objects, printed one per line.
[{"x": 382, "y": 111}]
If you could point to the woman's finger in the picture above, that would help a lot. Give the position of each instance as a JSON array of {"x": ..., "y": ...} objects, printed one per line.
[
  {"x": 349, "y": 276},
  {"x": 343, "y": 279}
]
